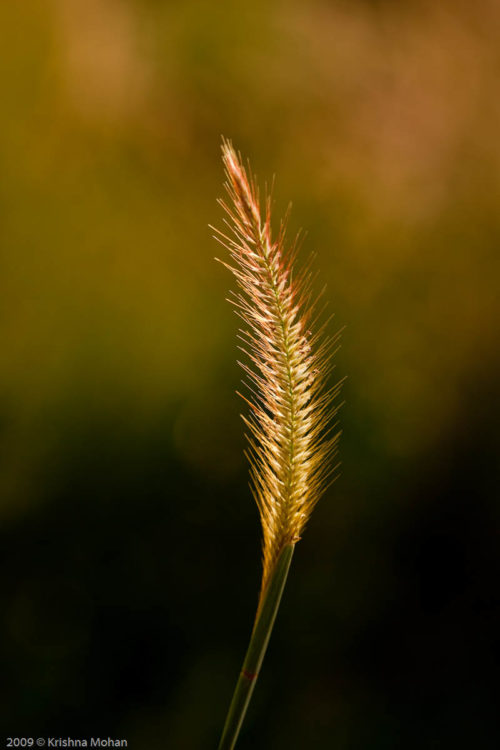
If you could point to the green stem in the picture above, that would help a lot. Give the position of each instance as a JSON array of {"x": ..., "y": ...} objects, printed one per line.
[{"x": 266, "y": 614}]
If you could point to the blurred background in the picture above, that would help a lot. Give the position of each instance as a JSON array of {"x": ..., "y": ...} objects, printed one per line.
[{"x": 130, "y": 542}]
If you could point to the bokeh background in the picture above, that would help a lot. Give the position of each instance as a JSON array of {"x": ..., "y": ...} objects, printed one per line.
[{"x": 129, "y": 539}]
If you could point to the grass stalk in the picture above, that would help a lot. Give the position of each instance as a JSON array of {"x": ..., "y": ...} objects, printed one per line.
[
  {"x": 291, "y": 443},
  {"x": 259, "y": 639}
]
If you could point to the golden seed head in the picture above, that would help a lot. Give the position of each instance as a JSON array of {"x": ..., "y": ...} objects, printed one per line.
[{"x": 291, "y": 446}]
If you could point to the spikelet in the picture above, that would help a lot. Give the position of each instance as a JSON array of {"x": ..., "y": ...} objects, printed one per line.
[{"x": 291, "y": 443}]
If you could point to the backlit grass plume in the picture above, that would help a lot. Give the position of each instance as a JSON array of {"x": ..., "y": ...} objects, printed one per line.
[{"x": 291, "y": 446}]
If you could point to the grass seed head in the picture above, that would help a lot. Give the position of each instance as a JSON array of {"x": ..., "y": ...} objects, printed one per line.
[{"x": 290, "y": 433}]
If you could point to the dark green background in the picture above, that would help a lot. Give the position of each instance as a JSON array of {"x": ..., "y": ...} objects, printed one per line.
[{"x": 129, "y": 538}]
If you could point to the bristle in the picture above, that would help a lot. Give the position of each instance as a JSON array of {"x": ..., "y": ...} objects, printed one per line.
[{"x": 290, "y": 454}]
